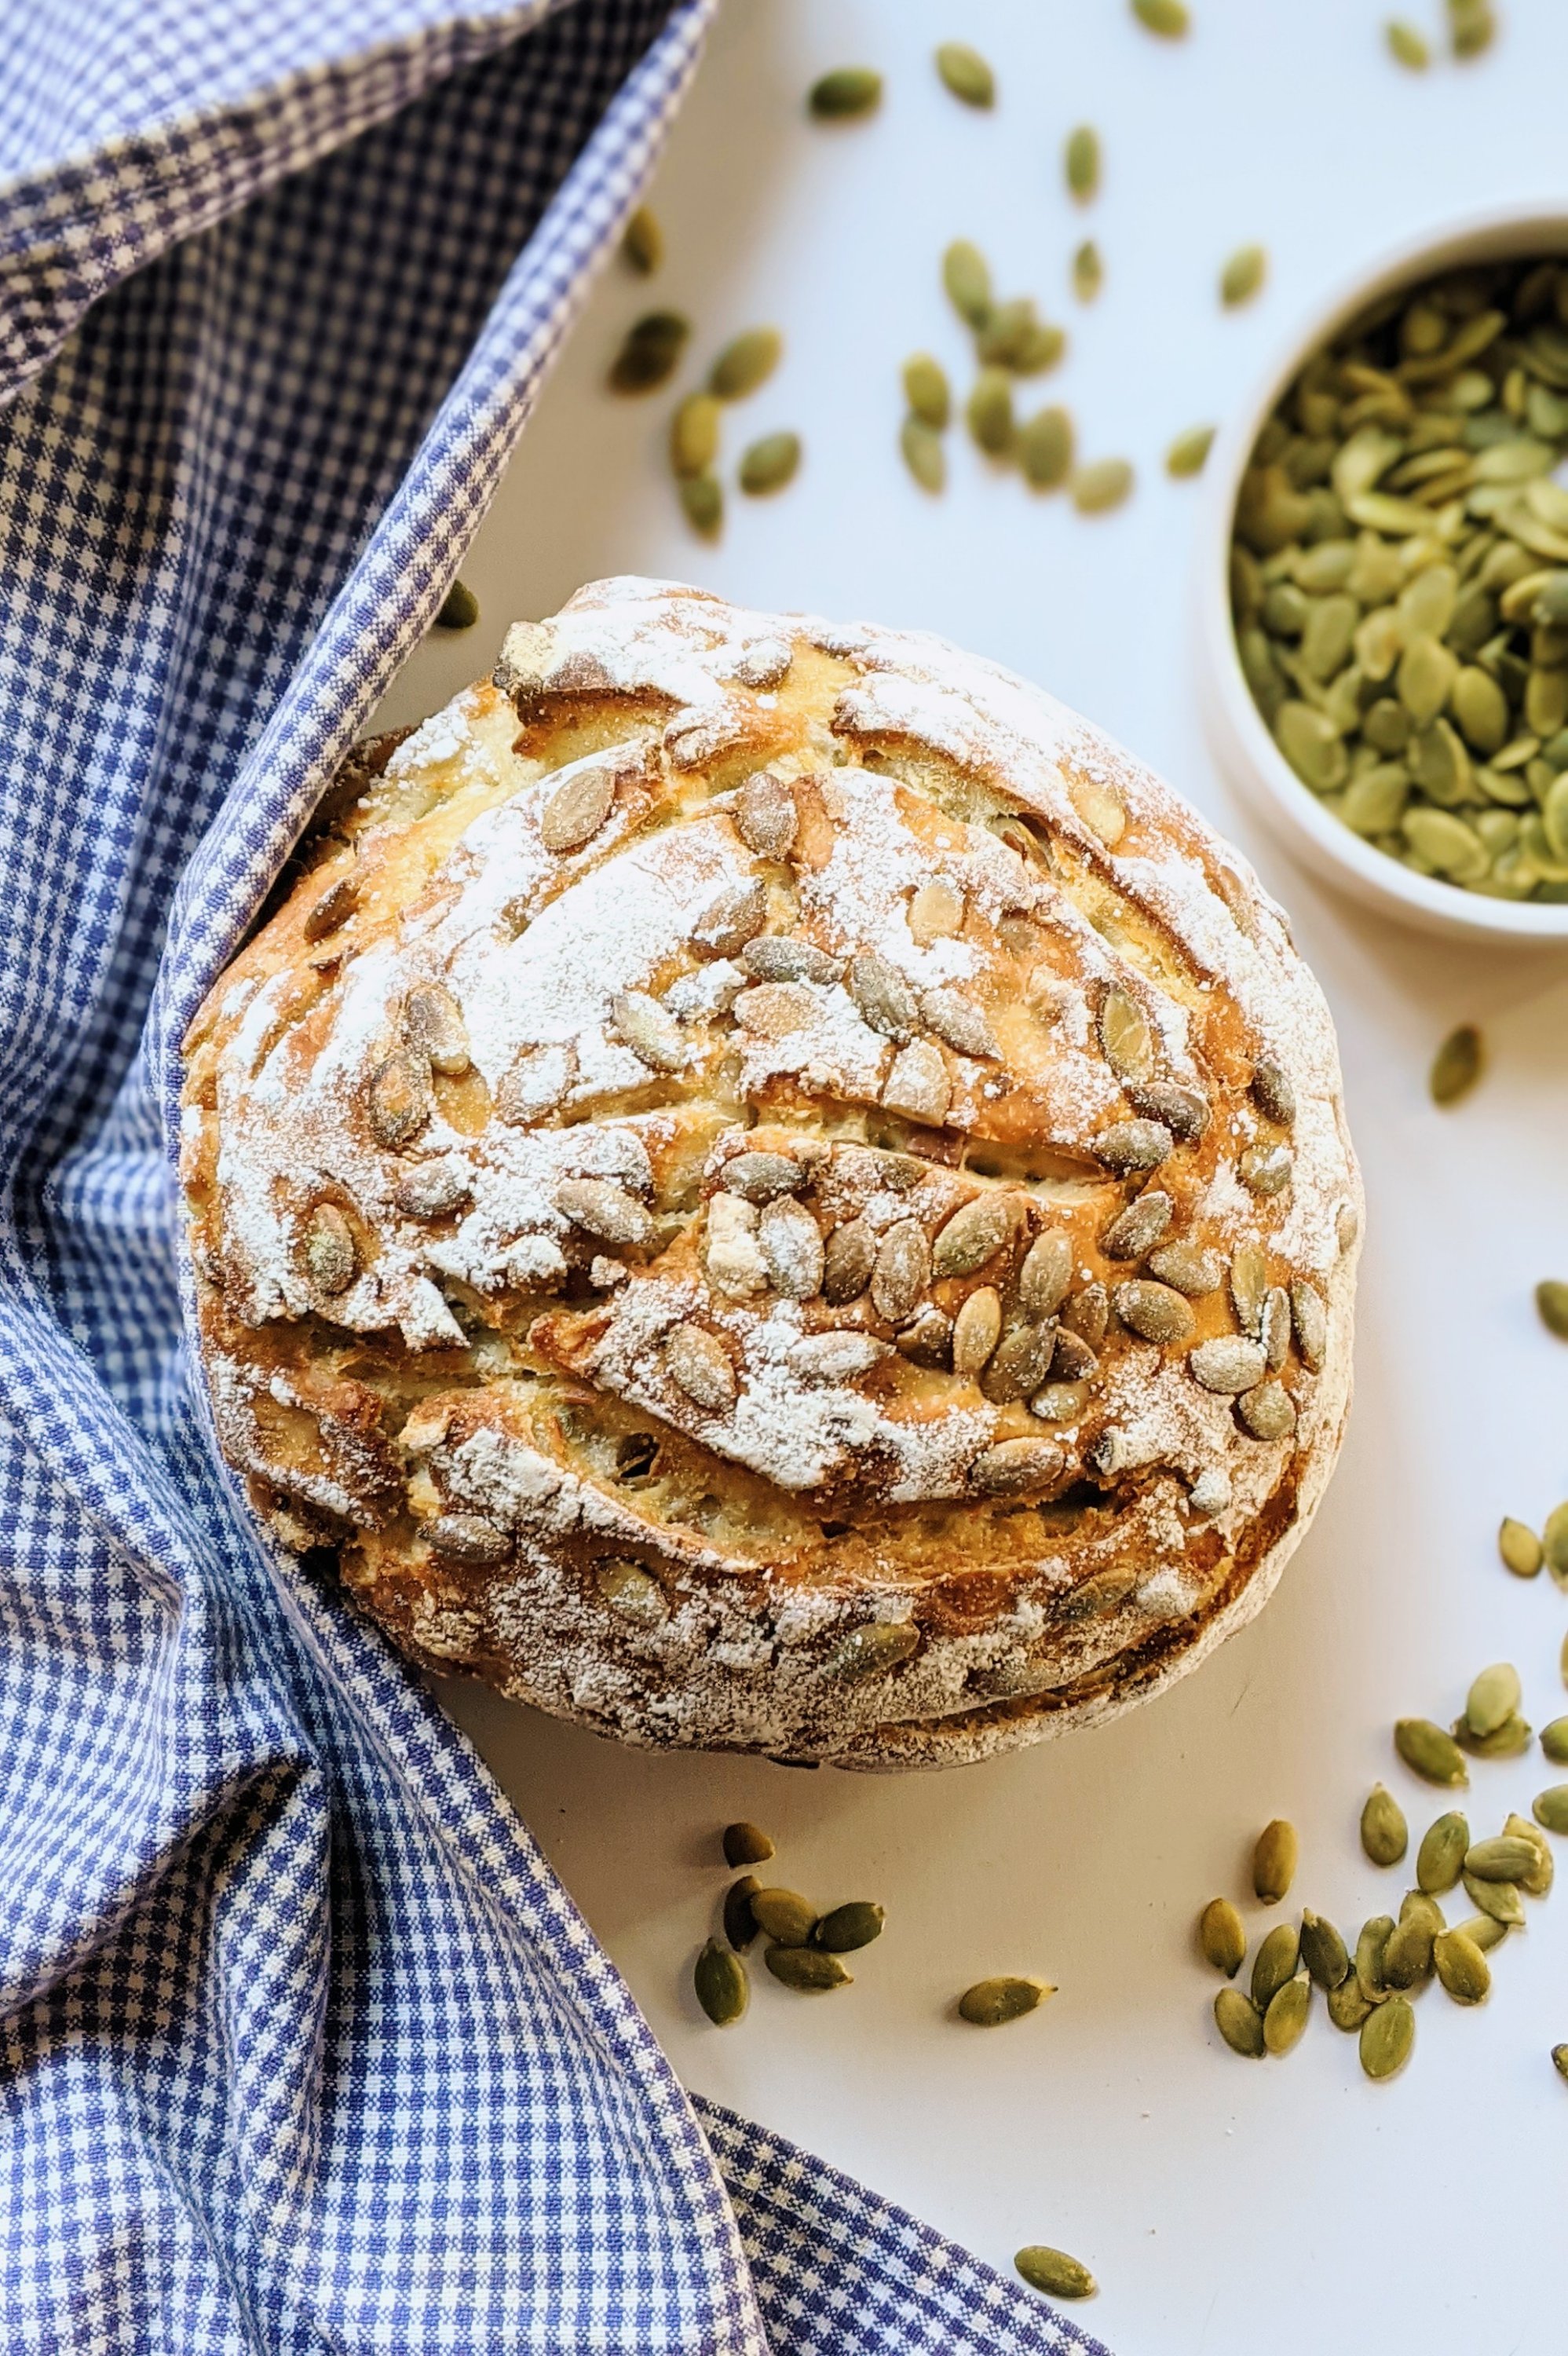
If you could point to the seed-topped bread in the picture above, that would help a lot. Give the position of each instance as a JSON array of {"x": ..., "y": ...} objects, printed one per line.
[{"x": 769, "y": 1188}]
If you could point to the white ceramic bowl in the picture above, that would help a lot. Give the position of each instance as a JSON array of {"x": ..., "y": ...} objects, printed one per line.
[{"x": 1242, "y": 742}]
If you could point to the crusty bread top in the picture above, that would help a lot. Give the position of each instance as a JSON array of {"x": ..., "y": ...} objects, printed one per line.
[{"x": 674, "y": 1036}]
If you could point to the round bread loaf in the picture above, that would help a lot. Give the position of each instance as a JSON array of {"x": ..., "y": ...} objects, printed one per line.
[{"x": 768, "y": 1188}]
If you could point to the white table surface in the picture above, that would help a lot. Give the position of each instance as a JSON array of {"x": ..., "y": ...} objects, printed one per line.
[{"x": 1225, "y": 2206}]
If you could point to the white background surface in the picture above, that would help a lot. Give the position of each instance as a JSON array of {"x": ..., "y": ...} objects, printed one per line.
[{"x": 1225, "y": 2206}]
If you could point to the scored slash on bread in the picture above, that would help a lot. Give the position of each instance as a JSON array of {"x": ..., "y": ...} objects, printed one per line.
[{"x": 768, "y": 1187}]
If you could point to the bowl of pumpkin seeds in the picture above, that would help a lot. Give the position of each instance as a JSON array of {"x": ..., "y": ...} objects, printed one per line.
[{"x": 1384, "y": 594}]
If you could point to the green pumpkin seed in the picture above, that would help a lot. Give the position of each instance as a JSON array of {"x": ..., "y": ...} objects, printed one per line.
[
  {"x": 721, "y": 1986},
  {"x": 1555, "y": 1543},
  {"x": 1349, "y": 2004},
  {"x": 1407, "y": 1957},
  {"x": 989, "y": 412},
  {"x": 1520, "y": 1549},
  {"x": 1461, "y": 1967},
  {"x": 1502, "y": 1858},
  {"x": 964, "y": 72},
  {"x": 785, "y": 1915},
  {"x": 991, "y": 2002},
  {"x": 694, "y": 435},
  {"x": 1242, "y": 275},
  {"x": 926, "y": 390},
  {"x": 459, "y": 608},
  {"x": 1509, "y": 1740},
  {"x": 702, "y": 497},
  {"x": 1285, "y": 2022},
  {"x": 923, "y": 454},
  {"x": 811, "y": 1970},
  {"x": 966, "y": 276},
  {"x": 1501, "y": 1899},
  {"x": 1088, "y": 270},
  {"x": 1555, "y": 1741},
  {"x": 1274, "y": 1860},
  {"x": 1428, "y": 1752},
  {"x": 1168, "y": 18},
  {"x": 746, "y": 1844},
  {"x": 845, "y": 93},
  {"x": 1552, "y": 1300},
  {"x": 1560, "y": 2060},
  {"x": 1045, "y": 449},
  {"x": 1440, "y": 1859},
  {"x": 1276, "y": 1961},
  {"x": 1101, "y": 485},
  {"x": 1387, "y": 2035},
  {"x": 1221, "y": 1937},
  {"x": 642, "y": 242},
  {"x": 1312, "y": 745},
  {"x": 1550, "y": 1808},
  {"x": 1240, "y": 2023},
  {"x": 649, "y": 352},
  {"x": 1371, "y": 1944},
  {"x": 770, "y": 463},
  {"x": 873, "y": 1650},
  {"x": 740, "y": 1922},
  {"x": 1080, "y": 162},
  {"x": 1054, "y": 2272},
  {"x": 1472, "y": 27},
  {"x": 1407, "y": 45},
  {"x": 1385, "y": 1835},
  {"x": 1187, "y": 454},
  {"x": 745, "y": 362},
  {"x": 1493, "y": 1699},
  {"x": 1323, "y": 1950},
  {"x": 854, "y": 1924},
  {"x": 1538, "y": 1881},
  {"x": 1483, "y": 1931}
]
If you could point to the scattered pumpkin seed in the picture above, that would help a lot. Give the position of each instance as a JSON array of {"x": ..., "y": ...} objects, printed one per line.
[
  {"x": 1555, "y": 1543},
  {"x": 1407, "y": 1957},
  {"x": 785, "y": 1915},
  {"x": 1223, "y": 1937},
  {"x": 642, "y": 242},
  {"x": 1560, "y": 2060},
  {"x": 1519, "y": 1548},
  {"x": 1555, "y": 1741},
  {"x": 991, "y": 2002},
  {"x": 1242, "y": 275},
  {"x": 1274, "y": 1860},
  {"x": 1407, "y": 45},
  {"x": 740, "y": 1922},
  {"x": 746, "y": 361},
  {"x": 845, "y": 93},
  {"x": 746, "y": 1844},
  {"x": 1538, "y": 1881},
  {"x": 694, "y": 435},
  {"x": 1510, "y": 1741},
  {"x": 1080, "y": 162},
  {"x": 769, "y": 464},
  {"x": 649, "y": 352},
  {"x": 1457, "y": 1066},
  {"x": 1472, "y": 27},
  {"x": 1428, "y": 1752},
  {"x": 459, "y": 608},
  {"x": 854, "y": 1924},
  {"x": 1552, "y": 1300},
  {"x": 702, "y": 497},
  {"x": 964, "y": 72},
  {"x": 1504, "y": 1857},
  {"x": 966, "y": 276},
  {"x": 1088, "y": 270},
  {"x": 1349, "y": 2004},
  {"x": 1483, "y": 1932},
  {"x": 1168, "y": 18},
  {"x": 1187, "y": 453},
  {"x": 811, "y": 1970},
  {"x": 1323, "y": 1950},
  {"x": 1285, "y": 2022},
  {"x": 1104, "y": 483},
  {"x": 1550, "y": 1808},
  {"x": 1501, "y": 1899},
  {"x": 1387, "y": 2035},
  {"x": 1054, "y": 2272},
  {"x": 989, "y": 412},
  {"x": 1440, "y": 1859},
  {"x": 1385, "y": 1835},
  {"x": 1045, "y": 449},
  {"x": 723, "y": 1987},
  {"x": 926, "y": 390},
  {"x": 1371, "y": 1945},
  {"x": 1461, "y": 1967},
  {"x": 1240, "y": 2023},
  {"x": 1276, "y": 1961}
]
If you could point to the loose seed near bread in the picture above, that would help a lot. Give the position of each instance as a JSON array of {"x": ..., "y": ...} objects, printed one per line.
[
  {"x": 854, "y": 1924},
  {"x": 846, "y": 93},
  {"x": 785, "y": 1915},
  {"x": 1457, "y": 1066},
  {"x": 1323, "y": 1950},
  {"x": 964, "y": 72},
  {"x": 1440, "y": 1859},
  {"x": 577, "y": 809},
  {"x": 642, "y": 242},
  {"x": 702, "y": 500},
  {"x": 769, "y": 464},
  {"x": 649, "y": 352},
  {"x": 923, "y": 454},
  {"x": 989, "y": 2003},
  {"x": 976, "y": 1330},
  {"x": 698, "y": 1364},
  {"x": 988, "y": 413},
  {"x": 966, "y": 276},
  {"x": 1407, "y": 45},
  {"x": 1080, "y": 162},
  {"x": 872, "y": 1650},
  {"x": 1519, "y": 1548},
  {"x": 1187, "y": 456},
  {"x": 1154, "y": 1311},
  {"x": 723, "y": 1987},
  {"x": 1493, "y": 1698},
  {"x": 694, "y": 435},
  {"x": 1550, "y": 1808},
  {"x": 1276, "y": 1961},
  {"x": 1555, "y": 1741},
  {"x": 1088, "y": 272},
  {"x": 740, "y": 1922},
  {"x": 1240, "y": 2023},
  {"x": 810, "y": 1970},
  {"x": 331, "y": 1255},
  {"x": 1274, "y": 1860},
  {"x": 1552, "y": 1300},
  {"x": 1285, "y": 2022},
  {"x": 1103, "y": 485},
  {"x": 1221, "y": 1937},
  {"x": 1428, "y": 1752},
  {"x": 1045, "y": 449},
  {"x": 926, "y": 390},
  {"x": 1385, "y": 1835},
  {"x": 1168, "y": 18},
  {"x": 1054, "y": 2272},
  {"x": 399, "y": 1097},
  {"x": 746, "y": 1844},
  {"x": 604, "y": 1209},
  {"x": 1387, "y": 2036},
  {"x": 1046, "y": 1273},
  {"x": 1242, "y": 275},
  {"x": 745, "y": 363},
  {"x": 459, "y": 608}
]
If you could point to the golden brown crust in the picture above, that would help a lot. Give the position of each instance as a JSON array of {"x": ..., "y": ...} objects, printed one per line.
[{"x": 769, "y": 1188}]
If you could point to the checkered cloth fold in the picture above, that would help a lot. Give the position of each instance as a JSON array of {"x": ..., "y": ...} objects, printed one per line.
[{"x": 301, "y": 2045}]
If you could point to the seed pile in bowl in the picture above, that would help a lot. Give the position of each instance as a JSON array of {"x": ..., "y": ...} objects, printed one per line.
[{"x": 1398, "y": 578}]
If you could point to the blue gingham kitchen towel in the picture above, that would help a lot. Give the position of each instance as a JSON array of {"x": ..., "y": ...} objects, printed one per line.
[{"x": 302, "y": 2046}]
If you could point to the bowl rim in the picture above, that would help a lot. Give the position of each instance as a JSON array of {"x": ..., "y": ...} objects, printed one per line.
[{"x": 1246, "y": 749}]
